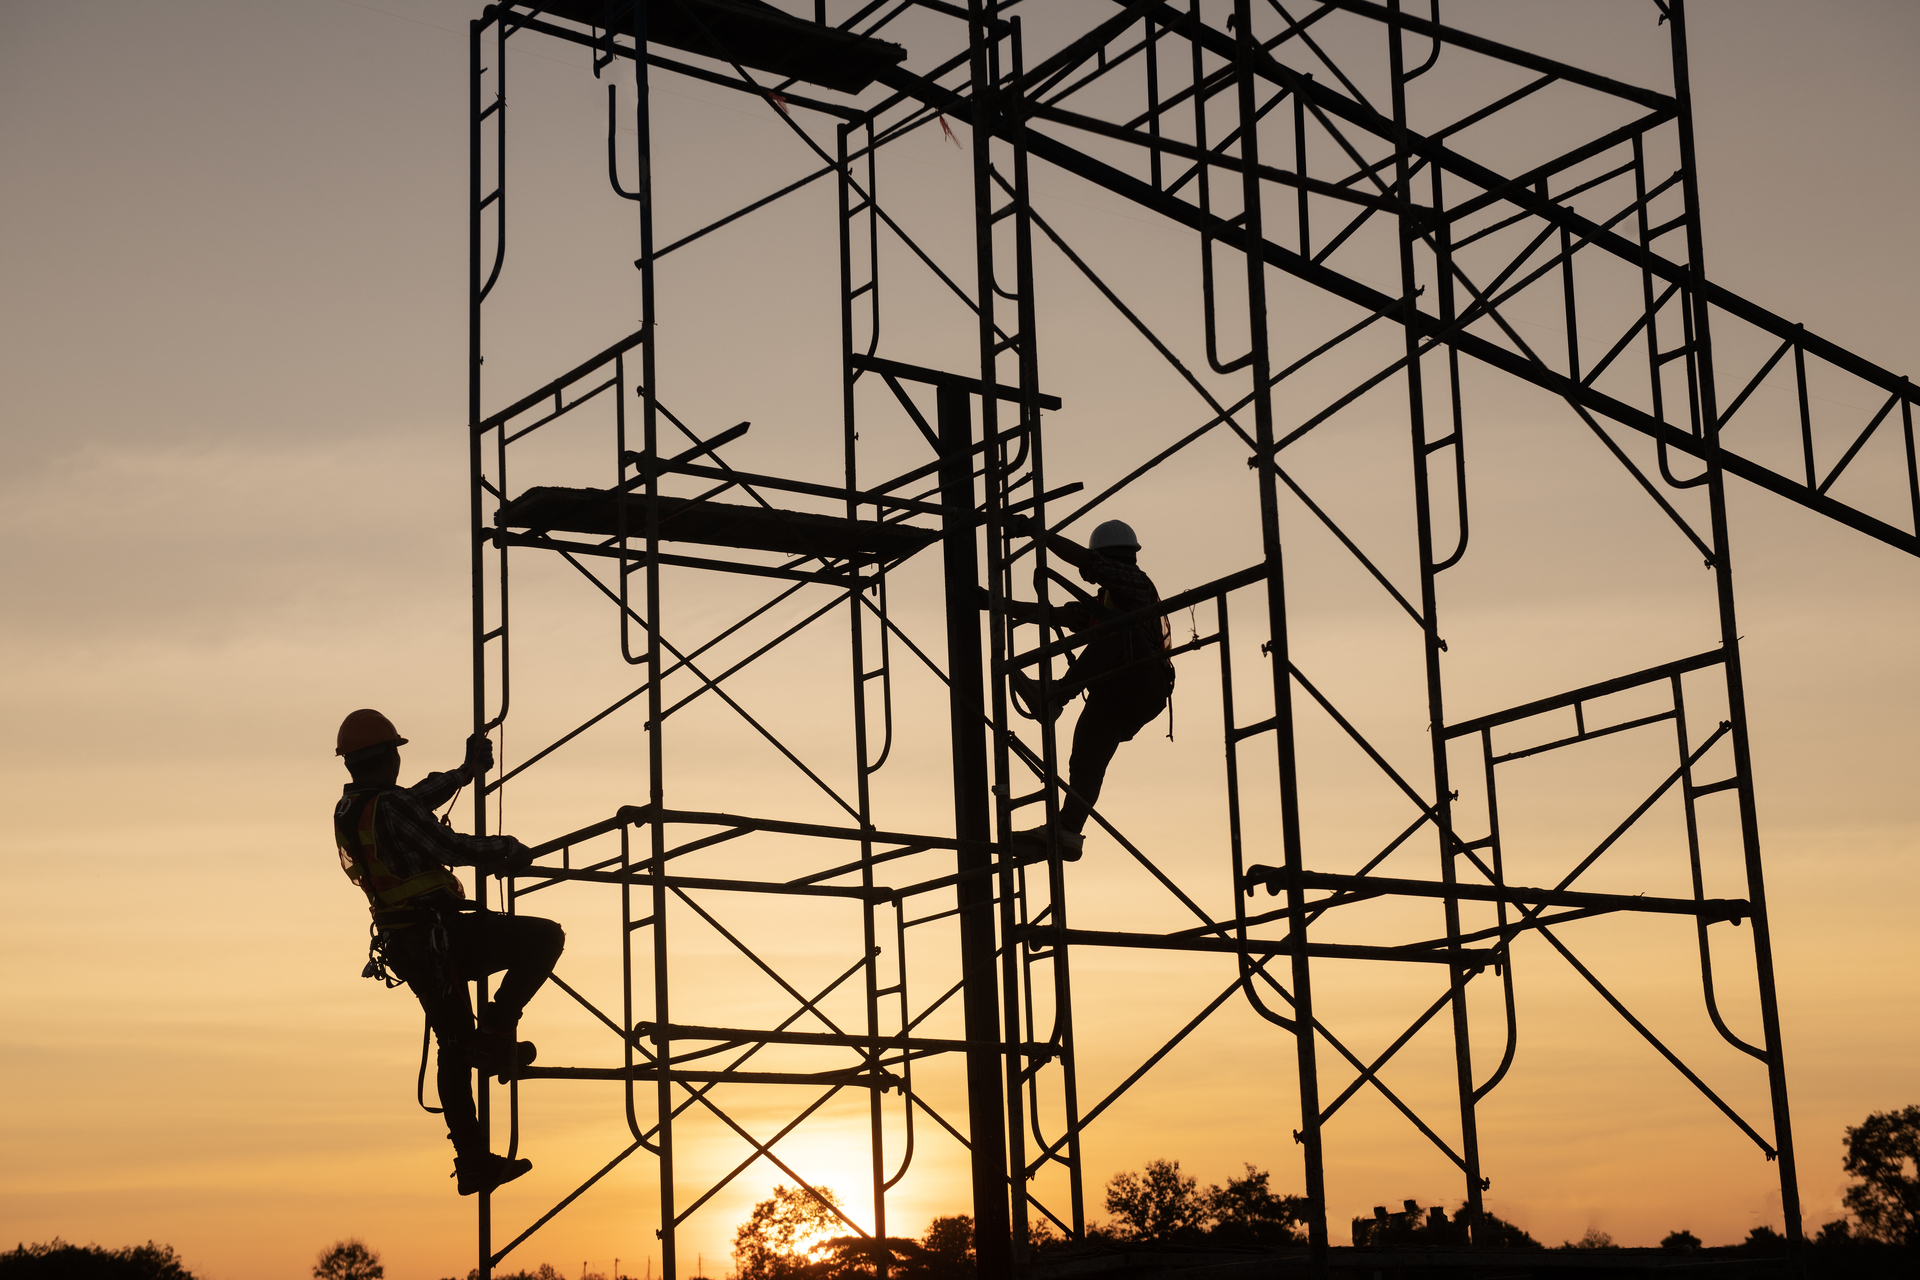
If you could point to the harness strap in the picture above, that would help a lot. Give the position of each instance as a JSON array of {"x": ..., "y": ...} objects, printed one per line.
[
  {"x": 420, "y": 1082},
  {"x": 390, "y": 899}
]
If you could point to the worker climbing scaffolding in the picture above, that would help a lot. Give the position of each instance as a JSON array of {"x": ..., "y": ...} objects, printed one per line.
[
  {"x": 1125, "y": 673},
  {"x": 427, "y": 934}
]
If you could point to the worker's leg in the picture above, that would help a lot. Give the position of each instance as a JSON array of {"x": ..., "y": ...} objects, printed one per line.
[
  {"x": 437, "y": 981},
  {"x": 1112, "y": 716},
  {"x": 1086, "y": 667},
  {"x": 450, "y": 1014},
  {"x": 453, "y": 1076},
  {"x": 527, "y": 947}
]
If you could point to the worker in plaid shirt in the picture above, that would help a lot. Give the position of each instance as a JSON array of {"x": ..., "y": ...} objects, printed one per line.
[
  {"x": 429, "y": 936},
  {"x": 1125, "y": 674}
]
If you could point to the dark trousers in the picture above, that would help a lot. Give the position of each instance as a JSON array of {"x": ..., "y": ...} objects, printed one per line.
[
  {"x": 1117, "y": 708},
  {"x": 478, "y": 943}
]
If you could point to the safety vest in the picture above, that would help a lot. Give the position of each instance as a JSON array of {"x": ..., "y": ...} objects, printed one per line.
[
  {"x": 389, "y": 897},
  {"x": 1140, "y": 634}
]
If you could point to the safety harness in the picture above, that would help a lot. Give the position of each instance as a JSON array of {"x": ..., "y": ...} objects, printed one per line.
[
  {"x": 395, "y": 902},
  {"x": 390, "y": 897},
  {"x": 1137, "y": 642},
  {"x": 1138, "y": 649}
]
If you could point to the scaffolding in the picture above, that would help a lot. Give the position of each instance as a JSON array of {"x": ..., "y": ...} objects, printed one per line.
[{"x": 1306, "y": 148}]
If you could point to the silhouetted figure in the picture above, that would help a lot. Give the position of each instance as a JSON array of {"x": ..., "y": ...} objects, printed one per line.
[
  {"x": 428, "y": 935},
  {"x": 1125, "y": 674}
]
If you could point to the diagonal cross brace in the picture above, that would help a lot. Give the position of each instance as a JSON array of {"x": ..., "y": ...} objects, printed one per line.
[{"x": 1101, "y": 174}]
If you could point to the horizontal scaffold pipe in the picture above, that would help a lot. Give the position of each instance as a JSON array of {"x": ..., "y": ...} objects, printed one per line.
[
  {"x": 1707, "y": 909},
  {"x": 865, "y": 497},
  {"x": 676, "y": 1032},
  {"x": 636, "y": 557},
  {"x": 1477, "y": 959},
  {"x": 1526, "y": 710},
  {"x": 642, "y": 876},
  {"x": 631, "y": 815},
  {"x": 642, "y": 872},
  {"x": 937, "y": 378},
  {"x": 856, "y": 1079}
]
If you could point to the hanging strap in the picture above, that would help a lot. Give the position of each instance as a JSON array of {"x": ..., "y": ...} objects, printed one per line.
[{"x": 420, "y": 1082}]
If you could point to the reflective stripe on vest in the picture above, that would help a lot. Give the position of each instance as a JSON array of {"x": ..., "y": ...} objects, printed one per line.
[{"x": 359, "y": 849}]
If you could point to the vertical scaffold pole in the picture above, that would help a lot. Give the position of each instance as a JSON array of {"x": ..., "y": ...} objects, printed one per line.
[
  {"x": 862, "y": 770},
  {"x": 973, "y": 828},
  {"x": 1410, "y": 233},
  {"x": 476, "y": 292},
  {"x": 1701, "y": 359},
  {"x": 656, "y": 730},
  {"x": 1262, "y": 368},
  {"x": 994, "y": 1124},
  {"x": 1059, "y": 953}
]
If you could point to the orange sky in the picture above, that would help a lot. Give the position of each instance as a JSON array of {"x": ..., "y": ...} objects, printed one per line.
[{"x": 235, "y": 509}]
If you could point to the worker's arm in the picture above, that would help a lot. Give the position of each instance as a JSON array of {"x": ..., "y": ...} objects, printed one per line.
[
  {"x": 413, "y": 822},
  {"x": 436, "y": 789},
  {"x": 1066, "y": 548},
  {"x": 1018, "y": 610},
  {"x": 1070, "y": 614}
]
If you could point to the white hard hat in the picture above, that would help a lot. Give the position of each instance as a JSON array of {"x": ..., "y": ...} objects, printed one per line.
[{"x": 1114, "y": 533}]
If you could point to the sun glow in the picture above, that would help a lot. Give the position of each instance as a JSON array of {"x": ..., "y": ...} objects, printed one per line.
[
  {"x": 811, "y": 1242},
  {"x": 839, "y": 1165}
]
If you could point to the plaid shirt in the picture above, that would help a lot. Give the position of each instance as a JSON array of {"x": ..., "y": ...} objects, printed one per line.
[
  {"x": 412, "y": 841},
  {"x": 1127, "y": 588},
  {"x": 1124, "y": 589}
]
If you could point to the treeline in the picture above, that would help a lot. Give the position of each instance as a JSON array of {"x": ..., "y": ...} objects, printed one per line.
[
  {"x": 797, "y": 1235},
  {"x": 58, "y": 1260}
]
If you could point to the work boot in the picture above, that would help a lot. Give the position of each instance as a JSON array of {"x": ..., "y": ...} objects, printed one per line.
[
  {"x": 497, "y": 1019},
  {"x": 494, "y": 1053},
  {"x": 1029, "y": 690},
  {"x": 1035, "y": 843},
  {"x": 486, "y": 1172}
]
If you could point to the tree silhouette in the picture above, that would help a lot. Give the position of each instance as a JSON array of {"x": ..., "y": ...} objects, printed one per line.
[
  {"x": 949, "y": 1247},
  {"x": 1883, "y": 1152},
  {"x": 1156, "y": 1205},
  {"x": 1247, "y": 1212},
  {"x": 349, "y": 1260},
  {"x": 1594, "y": 1239},
  {"x": 774, "y": 1243}
]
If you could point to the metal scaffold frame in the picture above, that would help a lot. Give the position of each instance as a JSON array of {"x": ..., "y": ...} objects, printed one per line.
[{"x": 1287, "y": 106}]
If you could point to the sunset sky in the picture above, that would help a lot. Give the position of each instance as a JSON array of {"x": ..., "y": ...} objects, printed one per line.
[{"x": 235, "y": 509}]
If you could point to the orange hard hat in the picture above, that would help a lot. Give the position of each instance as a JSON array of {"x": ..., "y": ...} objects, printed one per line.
[{"x": 366, "y": 728}]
